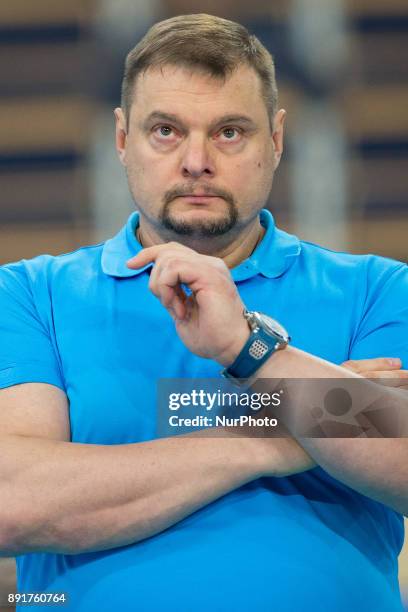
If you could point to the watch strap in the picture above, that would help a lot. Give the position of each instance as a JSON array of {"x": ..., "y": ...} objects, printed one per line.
[{"x": 258, "y": 348}]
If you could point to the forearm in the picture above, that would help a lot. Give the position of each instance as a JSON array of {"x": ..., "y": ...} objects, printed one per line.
[
  {"x": 376, "y": 467},
  {"x": 70, "y": 498}
]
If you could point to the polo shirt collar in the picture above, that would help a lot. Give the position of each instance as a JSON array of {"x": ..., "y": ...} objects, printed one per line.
[
  {"x": 272, "y": 257},
  {"x": 117, "y": 250}
]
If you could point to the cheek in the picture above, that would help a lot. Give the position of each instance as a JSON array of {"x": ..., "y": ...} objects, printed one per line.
[
  {"x": 256, "y": 170},
  {"x": 263, "y": 168},
  {"x": 264, "y": 165},
  {"x": 148, "y": 179},
  {"x": 145, "y": 163},
  {"x": 254, "y": 179},
  {"x": 136, "y": 159},
  {"x": 140, "y": 170},
  {"x": 258, "y": 157},
  {"x": 138, "y": 175}
]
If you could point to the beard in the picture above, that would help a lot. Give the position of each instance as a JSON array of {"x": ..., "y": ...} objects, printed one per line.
[{"x": 199, "y": 228}]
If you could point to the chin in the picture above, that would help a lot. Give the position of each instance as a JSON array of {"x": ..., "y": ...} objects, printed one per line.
[{"x": 206, "y": 226}]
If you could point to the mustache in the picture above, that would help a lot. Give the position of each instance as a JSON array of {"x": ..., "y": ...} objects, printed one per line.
[{"x": 184, "y": 190}]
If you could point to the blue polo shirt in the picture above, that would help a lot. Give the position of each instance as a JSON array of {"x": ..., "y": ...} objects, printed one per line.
[{"x": 87, "y": 324}]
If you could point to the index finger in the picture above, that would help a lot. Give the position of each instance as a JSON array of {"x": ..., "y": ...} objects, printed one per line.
[
  {"x": 149, "y": 254},
  {"x": 378, "y": 364}
]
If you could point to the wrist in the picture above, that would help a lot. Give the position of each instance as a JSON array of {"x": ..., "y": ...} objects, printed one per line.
[{"x": 228, "y": 356}]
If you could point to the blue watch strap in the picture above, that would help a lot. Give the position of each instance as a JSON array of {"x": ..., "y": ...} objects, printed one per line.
[{"x": 258, "y": 348}]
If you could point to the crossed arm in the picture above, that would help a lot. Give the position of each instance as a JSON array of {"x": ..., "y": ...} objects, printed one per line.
[
  {"x": 115, "y": 495},
  {"x": 375, "y": 467},
  {"x": 68, "y": 498},
  {"x": 210, "y": 323}
]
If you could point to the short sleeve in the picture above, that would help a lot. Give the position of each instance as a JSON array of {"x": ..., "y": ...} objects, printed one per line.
[
  {"x": 383, "y": 329},
  {"x": 26, "y": 350}
]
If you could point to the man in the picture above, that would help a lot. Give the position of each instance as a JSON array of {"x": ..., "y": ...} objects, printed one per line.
[{"x": 98, "y": 508}]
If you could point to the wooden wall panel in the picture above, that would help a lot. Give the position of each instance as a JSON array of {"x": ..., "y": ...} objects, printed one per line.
[
  {"x": 40, "y": 12},
  {"x": 19, "y": 241}
]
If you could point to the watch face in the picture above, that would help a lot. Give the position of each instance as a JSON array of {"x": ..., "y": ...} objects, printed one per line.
[{"x": 272, "y": 327}]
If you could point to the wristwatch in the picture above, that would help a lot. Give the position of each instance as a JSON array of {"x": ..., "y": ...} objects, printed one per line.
[{"x": 267, "y": 336}]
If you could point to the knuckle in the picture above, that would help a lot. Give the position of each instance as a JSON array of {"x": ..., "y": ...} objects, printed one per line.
[
  {"x": 170, "y": 252},
  {"x": 173, "y": 263},
  {"x": 152, "y": 284},
  {"x": 221, "y": 264},
  {"x": 177, "y": 248}
]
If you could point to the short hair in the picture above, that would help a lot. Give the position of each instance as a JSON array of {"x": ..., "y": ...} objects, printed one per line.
[{"x": 214, "y": 45}]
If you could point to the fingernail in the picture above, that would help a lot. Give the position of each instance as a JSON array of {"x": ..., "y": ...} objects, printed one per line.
[{"x": 394, "y": 361}]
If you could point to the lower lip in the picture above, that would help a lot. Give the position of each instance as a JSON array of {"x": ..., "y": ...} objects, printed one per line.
[{"x": 199, "y": 199}]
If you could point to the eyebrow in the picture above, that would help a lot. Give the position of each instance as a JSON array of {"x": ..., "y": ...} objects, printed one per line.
[{"x": 171, "y": 118}]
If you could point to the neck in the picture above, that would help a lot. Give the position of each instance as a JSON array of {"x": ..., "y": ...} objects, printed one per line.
[{"x": 231, "y": 249}]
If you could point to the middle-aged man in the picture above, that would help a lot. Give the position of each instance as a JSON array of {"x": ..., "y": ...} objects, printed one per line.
[{"x": 96, "y": 507}]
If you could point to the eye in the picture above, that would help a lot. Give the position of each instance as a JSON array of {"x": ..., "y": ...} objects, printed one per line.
[
  {"x": 230, "y": 134},
  {"x": 163, "y": 131}
]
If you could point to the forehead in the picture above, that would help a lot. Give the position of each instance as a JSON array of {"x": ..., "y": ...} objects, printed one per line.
[{"x": 194, "y": 94}]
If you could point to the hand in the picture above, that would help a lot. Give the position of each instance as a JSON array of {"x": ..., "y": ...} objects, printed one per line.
[
  {"x": 381, "y": 367},
  {"x": 210, "y": 321}
]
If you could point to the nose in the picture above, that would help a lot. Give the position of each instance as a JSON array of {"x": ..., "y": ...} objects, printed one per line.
[{"x": 197, "y": 158}]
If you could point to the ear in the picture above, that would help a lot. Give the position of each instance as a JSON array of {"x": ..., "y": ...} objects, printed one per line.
[
  {"x": 277, "y": 135},
  {"x": 121, "y": 134}
]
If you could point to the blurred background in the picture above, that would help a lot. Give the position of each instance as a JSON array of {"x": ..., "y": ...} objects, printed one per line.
[{"x": 342, "y": 73}]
